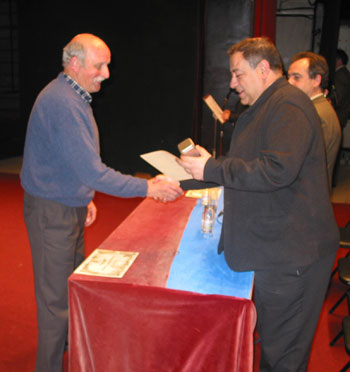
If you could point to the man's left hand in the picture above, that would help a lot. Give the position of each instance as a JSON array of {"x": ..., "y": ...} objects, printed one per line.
[
  {"x": 195, "y": 164},
  {"x": 91, "y": 214}
]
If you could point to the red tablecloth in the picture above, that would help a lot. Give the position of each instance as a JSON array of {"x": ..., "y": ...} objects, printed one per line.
[{"x": 136, "y": 324}]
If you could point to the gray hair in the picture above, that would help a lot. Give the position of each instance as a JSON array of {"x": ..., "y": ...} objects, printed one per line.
[
  {"x": 256, "y": 49},
  {"x": 73, "y": 49}
]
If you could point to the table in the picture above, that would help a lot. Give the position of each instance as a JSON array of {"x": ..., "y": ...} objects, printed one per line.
[{"x": 178, "y": 308}]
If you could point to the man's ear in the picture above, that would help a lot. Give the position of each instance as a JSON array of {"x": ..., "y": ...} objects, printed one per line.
[
  {"x": 263, "y": 67},
  {"x": 74, "y": 63},
  {"x": 317, "y": 80}
]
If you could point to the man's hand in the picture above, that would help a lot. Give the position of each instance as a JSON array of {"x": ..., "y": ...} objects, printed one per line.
[
  {"x": 163, "y": 188},
  {"x": 91, "y": 214},
  {"x": 163, "y": 177},
  {"x": 195, "y": 164},
  {"x": 226, "y": 115}
]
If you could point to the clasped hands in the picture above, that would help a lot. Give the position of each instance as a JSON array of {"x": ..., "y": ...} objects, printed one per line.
[{"x": 165, "y": 189}]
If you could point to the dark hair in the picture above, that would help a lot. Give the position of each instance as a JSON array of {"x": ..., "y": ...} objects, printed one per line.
[
  {"x": 340, "y": 54},
  {"x": 256, "y": 49},
  {"x": 317, "y": 66}
]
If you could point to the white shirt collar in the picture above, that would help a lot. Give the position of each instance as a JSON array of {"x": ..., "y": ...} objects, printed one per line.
[{"x": 316, "y": 96}]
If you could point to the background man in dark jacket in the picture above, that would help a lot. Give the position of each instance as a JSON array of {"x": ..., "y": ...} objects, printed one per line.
[{"x": 342, "y": 87}]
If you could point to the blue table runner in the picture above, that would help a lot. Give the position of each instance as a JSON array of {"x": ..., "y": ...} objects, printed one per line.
[{"x": 197, "y": 267}]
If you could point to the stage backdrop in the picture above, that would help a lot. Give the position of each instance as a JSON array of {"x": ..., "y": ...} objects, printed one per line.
[
  {"x": 166, "y": 54},
  {"x": 227, "y": 23}
]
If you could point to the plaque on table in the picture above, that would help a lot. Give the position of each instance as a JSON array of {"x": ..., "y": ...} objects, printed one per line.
[{"x": 107, "y": 263}]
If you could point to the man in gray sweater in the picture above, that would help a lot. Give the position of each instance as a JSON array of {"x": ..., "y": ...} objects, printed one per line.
[{"x": 61, "y": 170}]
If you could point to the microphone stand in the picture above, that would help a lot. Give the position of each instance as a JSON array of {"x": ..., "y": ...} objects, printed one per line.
[
  {"x": 215, "y": 135},
  {"x": 221, "y": 130},
  {"x": 221, "y": 139}
]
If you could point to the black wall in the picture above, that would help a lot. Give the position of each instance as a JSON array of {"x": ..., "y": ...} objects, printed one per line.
[
  {"x": 160, "y": 49},
  {"x": 227, "y": 23}
]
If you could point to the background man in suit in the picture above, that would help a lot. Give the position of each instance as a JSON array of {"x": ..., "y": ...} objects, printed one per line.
[
  {"x": 309, "y": 72},
  {"x": 275, "y": 223},
  {"x": 342, "y": 87}
]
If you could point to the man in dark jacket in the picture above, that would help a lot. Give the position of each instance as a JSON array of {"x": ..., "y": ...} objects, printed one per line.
[
  {"x": 342, "y": 87},
  {"x": 278, "y": 219},
  {"x": 309, "y": 72}
]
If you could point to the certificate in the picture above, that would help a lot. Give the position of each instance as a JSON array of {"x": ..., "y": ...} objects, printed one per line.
[
  {"x": 102, "y": 262},
  {"x": 166, "y": 163}
]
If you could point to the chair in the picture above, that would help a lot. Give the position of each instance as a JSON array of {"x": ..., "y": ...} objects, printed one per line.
[
  {"x": 343, "y": 269},
  {"x": 346, "y": 333},
  {"x": 344, "y": 275},
  {"x": 344, "y": 242}
]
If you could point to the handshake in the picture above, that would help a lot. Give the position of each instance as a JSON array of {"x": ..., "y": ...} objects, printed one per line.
[{"x": 163, "y": 188}]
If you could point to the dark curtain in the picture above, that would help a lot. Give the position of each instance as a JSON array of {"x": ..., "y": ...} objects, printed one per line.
[
  {"x": 148, "y": 103},
  {"x": 166, "y": 55},
  {"x": 330, "y": 33},
  {"x": 227, "y": 23}
]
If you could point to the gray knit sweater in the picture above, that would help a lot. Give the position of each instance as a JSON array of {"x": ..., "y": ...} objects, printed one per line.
[{"x": 61, "y": 156}]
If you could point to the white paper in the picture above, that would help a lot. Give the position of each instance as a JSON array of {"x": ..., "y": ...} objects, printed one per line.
[
  {"x": 107, "y": 263},
  {"x": 165, "y": 162}
]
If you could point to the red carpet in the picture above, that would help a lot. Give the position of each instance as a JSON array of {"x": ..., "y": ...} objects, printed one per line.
[
  {"x": 18, "y": 333},
  {"x": 17, "y": 311}
]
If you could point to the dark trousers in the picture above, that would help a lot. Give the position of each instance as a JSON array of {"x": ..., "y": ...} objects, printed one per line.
[
  {"x": 288, "y": 302},
  {"x": 56, "y": 236}
]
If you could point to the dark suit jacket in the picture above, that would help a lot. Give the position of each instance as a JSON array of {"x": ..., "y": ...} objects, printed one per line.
[
  {"x": 342, "y": 91},
  {"x": 331, "y": 132},
  {"x": 277, "y": 209}
]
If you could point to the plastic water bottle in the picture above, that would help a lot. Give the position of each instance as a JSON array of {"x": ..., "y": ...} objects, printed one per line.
[
  {"x": 205, "y": 197},
  {"x": 208, "y": 219}
]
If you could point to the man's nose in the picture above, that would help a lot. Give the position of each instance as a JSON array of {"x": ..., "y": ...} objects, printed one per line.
[
  {"x": 233, "y": 82},
  {"x": 105, "y": 72}
]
